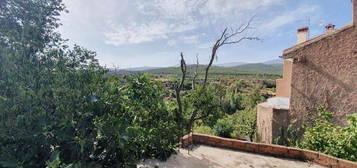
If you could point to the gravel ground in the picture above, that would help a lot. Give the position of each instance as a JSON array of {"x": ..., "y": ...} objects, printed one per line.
[{"x": 210, "y": 157}]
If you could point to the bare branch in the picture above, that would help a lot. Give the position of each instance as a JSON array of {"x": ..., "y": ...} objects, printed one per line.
[
  {"x": 179, "y": 87},
  {"x": 195, "y": 74},
  {"x": 213, "y": 55},
  {"x": 240, "y": 30},
  {"x": 228, "y": 38},
  {"x": 241, "y": 39},
  {"x": 223, "y": 34},
  {"x": 183, "y": 70}
]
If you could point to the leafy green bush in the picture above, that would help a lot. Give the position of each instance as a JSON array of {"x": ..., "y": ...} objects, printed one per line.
[
  {"x": 224, "y": 127},
  {"x": 104, "y": 121},
  {"x": 333, "y": 140},
  {"x": 245, "y": 123},
  {"x": 139, "y": 126},
  {"x": 269, "y": 83},
  {"x": 241, "y": 124},
  {"x": 202, "y": 129},
  {"x": 204, "y": 103},
  {"x": 232, "y": 102},
  {"x": 235, "y": 96},
  {"x": 252, "y": 99}
]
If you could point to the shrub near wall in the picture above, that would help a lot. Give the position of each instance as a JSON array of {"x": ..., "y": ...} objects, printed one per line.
[{"x": 333, "y": 140}]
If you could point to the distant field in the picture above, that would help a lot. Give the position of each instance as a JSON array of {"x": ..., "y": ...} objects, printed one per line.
[{"x": 258, "y": 70}]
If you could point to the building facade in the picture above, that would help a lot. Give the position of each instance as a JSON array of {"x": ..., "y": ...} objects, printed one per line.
[{"x": 317, "y": 72}]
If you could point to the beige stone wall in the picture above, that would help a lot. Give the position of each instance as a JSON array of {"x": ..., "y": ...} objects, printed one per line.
[
  {"x": 271, "y": 123},
  {"x": 283, "y": 86},
  {"x": 272, "y": 120},
  {"x": 280, "y": 122},
  {"x": 325, "y": 73},
  {"x": 265, "y": 124}
]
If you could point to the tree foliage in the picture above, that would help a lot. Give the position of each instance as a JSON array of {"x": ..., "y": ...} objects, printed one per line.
[
  {"x": 59, "y": 109},
  {"x": 333, "y": 140},
  {"x": 241, "y": 123},
  {"x": 203, "y": 104}
]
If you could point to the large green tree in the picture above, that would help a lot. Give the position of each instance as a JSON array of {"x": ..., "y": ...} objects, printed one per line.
[
  {"x": 57, "y": 106},
  {"x": 27, "y": 29}
]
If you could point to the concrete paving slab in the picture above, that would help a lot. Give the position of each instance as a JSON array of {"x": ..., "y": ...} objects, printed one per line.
[{"x": 211, "y": 157}]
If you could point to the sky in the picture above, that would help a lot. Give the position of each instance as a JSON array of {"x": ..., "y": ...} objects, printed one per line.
[{"x": 137, "y": 33}]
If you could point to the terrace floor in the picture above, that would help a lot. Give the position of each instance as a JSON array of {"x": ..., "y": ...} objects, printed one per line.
[{"x": 202, "y": 156}]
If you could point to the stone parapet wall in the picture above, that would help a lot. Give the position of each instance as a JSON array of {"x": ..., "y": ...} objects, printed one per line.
[{"x": 267, "y": 149}]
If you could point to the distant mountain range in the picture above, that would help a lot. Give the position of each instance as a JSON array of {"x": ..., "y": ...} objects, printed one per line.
[
  {"x": 275, "y": 61},
  {"x": 232, "y": 64},
  {"x": 260, "y": 68},
  {"x": 145, "y": 68},
  {"x": 240, "y": 69},
  {"x": 271, "y": 66}
]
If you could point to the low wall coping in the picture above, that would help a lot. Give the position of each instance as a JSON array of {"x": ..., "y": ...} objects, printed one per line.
[{"x": 267, "y": 149}]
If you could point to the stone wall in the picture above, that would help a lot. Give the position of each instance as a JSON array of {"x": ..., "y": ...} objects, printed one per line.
[
  {"x": 272, "y": 119},
  {"x": 266, "y": 149},
  {"x": 271, "y": 123},
  {"x": 283, "y": 86},
  {"x": 265, "y": 124},
  {"x": 280, "y": 122},
  {"x": 324, "y": 72}
]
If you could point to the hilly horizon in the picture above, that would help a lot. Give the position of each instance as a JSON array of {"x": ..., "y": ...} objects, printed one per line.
[{"x": 270, "y": 66}]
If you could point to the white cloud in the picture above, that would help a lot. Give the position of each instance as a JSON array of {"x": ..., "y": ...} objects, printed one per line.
[
  {"x": 288, "y": 17},
  {"x": 225, "y": 7},
  {"x": 124, "y": 22},
  {"x": 135, "y": 33},
  {"x": 190, "y": 39},
  {"x": 160, "y": 19},
  {"x": 172, "y": 42},
  {"x": 111, "y": 26},
  {"x": 159, "y": 59},
  {"x": 205, "y": 45}
]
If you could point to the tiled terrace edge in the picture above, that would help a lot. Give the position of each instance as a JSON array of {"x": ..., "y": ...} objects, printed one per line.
[{"x": 267, "y": 149}]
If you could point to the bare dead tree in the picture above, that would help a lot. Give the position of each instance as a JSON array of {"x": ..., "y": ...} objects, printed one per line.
[
  {"x": 178, "y": 88},
  {"x": 228, "y": 36},
  {"x": 195, "y": 74}
]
